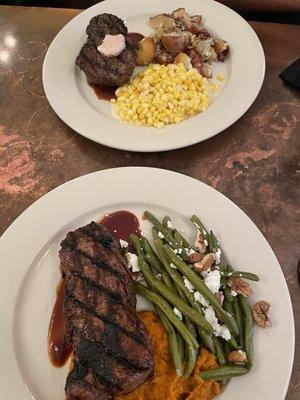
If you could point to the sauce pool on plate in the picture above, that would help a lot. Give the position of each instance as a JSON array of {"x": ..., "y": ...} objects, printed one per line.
[
  {"x": 57, "y": 349},
  {"x": 121, "y": 224}
]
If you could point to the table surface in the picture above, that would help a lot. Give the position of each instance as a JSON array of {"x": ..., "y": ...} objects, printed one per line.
[{"x": 254, "y": 162}]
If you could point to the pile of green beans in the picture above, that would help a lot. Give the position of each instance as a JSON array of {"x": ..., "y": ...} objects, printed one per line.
[{"x": 165, "y": 270}]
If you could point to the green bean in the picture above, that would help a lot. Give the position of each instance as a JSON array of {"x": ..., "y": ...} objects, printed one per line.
[
  {"x": 203, "y": 289},
  {"x": 166, "y": 221},
  {"x": 227, "y": 294},
  {"x": 191, "y": 361},
  {"x": 167, "y": 234},
  {"x": 172, "y": 340},
  {"x": 175, "y": 300},
  {"x": 163, "y": 305},
  {"x": 241, "y": 274},
  {"x": 226, "y": 371},
  {"x": 238, "y": 315},
  {"x": 219, "y": 352},
  {"x": 227, "y": 305},
  {"x": 199, "y": 224},
  {"x": 214, "y": 242},
  {"x": 181, "y": 345},
  {"x": 226, "y": 348},
  {"x": 150, "y": 255},
  {"x": 248, "y": 330},
  {"x": 181, "y": 240}
]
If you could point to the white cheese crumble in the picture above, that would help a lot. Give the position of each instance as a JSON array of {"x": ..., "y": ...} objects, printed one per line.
[
  {"x": 179, "y": 251},
  {"x": 175, "y": 251},
  {"x": 160, "y": 235},
  {"x": 212, "y": 281},
  {"x": 190, "y": 251},
  {"x": 219, "y": 330},
  {"x": 205, "y": 242},
  {"x": 188, "y": 285},
  {"x": 198, "y": 297},
  {"x": 173, "y": 266},
  {"x": 177, "y": 313},
  {"x": 218, "y": 256},
  {"x": 123, "y": 244},
  {"x": 233, "y": 293},
  {"x": 132, "y": 262},
  {"x": 169, "y": 224},
  {"x": 242, "y": 353}
]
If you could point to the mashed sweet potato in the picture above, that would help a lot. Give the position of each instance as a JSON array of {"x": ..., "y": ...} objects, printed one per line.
[{"x": 165, "y": 384}]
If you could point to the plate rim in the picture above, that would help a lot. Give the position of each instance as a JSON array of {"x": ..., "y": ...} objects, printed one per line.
[
  {"x": 169, "y": 145},
  {"x": 166, "y": 173}
]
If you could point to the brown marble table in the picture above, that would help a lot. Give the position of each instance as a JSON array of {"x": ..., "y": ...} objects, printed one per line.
[{"x": 254, "y": 162}]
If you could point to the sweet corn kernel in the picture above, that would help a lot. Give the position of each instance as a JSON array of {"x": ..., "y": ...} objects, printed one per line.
[{"x": 162, "y": 94}]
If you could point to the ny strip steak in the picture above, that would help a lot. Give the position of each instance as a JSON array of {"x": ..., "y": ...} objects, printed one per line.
[{"x": 111, "y": 352}]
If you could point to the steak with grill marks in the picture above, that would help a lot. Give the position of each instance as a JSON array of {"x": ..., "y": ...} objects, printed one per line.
[
  {"x": 102, "y": 70},
  {"x": 110, "y": 346}
]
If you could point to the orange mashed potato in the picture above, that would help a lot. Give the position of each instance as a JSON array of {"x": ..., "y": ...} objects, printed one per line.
[{"x": 165, "y": 384}]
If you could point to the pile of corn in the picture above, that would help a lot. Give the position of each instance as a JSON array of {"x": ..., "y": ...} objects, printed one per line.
[{"x": 161, "y": 95}]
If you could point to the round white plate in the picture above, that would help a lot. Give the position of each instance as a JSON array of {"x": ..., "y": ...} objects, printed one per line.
[
  {"x": 77, "y": 105},
  {"x": 30, "y": 272}
]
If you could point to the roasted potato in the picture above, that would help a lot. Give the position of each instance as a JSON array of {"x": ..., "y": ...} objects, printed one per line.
[
  {"x": 174, "y": 43},
  {"x": 146, "y": 51},
  {"x": 162, "y": 21},
  {"x": 184, "y": 59}
]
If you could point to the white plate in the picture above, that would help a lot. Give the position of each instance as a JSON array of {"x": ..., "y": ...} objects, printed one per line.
[
  {"x": 29, "y": 265},
  {"x": 76, "y": 104}
]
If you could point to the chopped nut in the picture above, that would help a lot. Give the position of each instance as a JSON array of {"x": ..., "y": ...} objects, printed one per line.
[
  {"x": 204, "y": 264},
  {"x": 220, "y": 297},
  {"x": 195, "y": 257},
  {"x": 199, "y": 243},
  {"x": 240, "y": 286},
  {"x": 237, "y": 356},
  {"x": 261, "y": 316}
]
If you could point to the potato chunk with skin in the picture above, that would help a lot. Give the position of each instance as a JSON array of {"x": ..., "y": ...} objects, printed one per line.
[{"x": 146, "y": 51}]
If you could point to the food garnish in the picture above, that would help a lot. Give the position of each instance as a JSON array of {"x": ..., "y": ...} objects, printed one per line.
[
  {"x": 162, "y": 95},
  {"x": 260, "y": 311}
]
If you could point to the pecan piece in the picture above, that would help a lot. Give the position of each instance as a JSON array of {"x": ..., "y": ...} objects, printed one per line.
[
  {"x": 205, "y": 263},
  {"x": 239, "y": 286},
  {"x": 200, "y": 242},
  {"x": 260, "y": 312},
  {"x": 220, "y": 297},
  {"x": 237, "y": 356},
  {"x": 195, "y": 257}
]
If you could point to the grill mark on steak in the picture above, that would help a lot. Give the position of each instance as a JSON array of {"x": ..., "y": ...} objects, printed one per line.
[
  {"x": 103, "y": 318},
  {"x": 114, "y": 296},
  {"x": 95, "y": 262}
]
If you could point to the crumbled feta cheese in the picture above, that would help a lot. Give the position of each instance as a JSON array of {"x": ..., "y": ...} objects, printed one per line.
[
  {"x": 112, "y": 45},
  {"x": 177, "y": 313},
  {"x": 123, "y": 244},
  {"x": 179, "y": 251},
  {"x": 175, "y": 251},
  {"x": 190, "y": 251},
  {"x": 212, "y": 281},
  {"x": 233, "y": 293},
  {"x": 132, "y": 262},
  {"x": 188, "y": 285},
  {"x": 198, "y": 297},
  {"x": 173, "y": 266},
  {"x": 169, "y": 225},
  {"x": 219, "y": 330},
  {"x": 205, "y": 242},
  {"x": 218, "y": 256},
  {"x": 160, "y": 235},
  {"x": 242, "y": 353}
]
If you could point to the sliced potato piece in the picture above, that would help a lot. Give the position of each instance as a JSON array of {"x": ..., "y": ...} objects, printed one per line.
[{"x": 146, "y": 51}]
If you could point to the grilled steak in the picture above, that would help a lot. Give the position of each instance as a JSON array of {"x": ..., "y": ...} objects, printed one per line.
[
  {"x": 111, "y": 351},
  {"x": 102, "y": 70}
]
